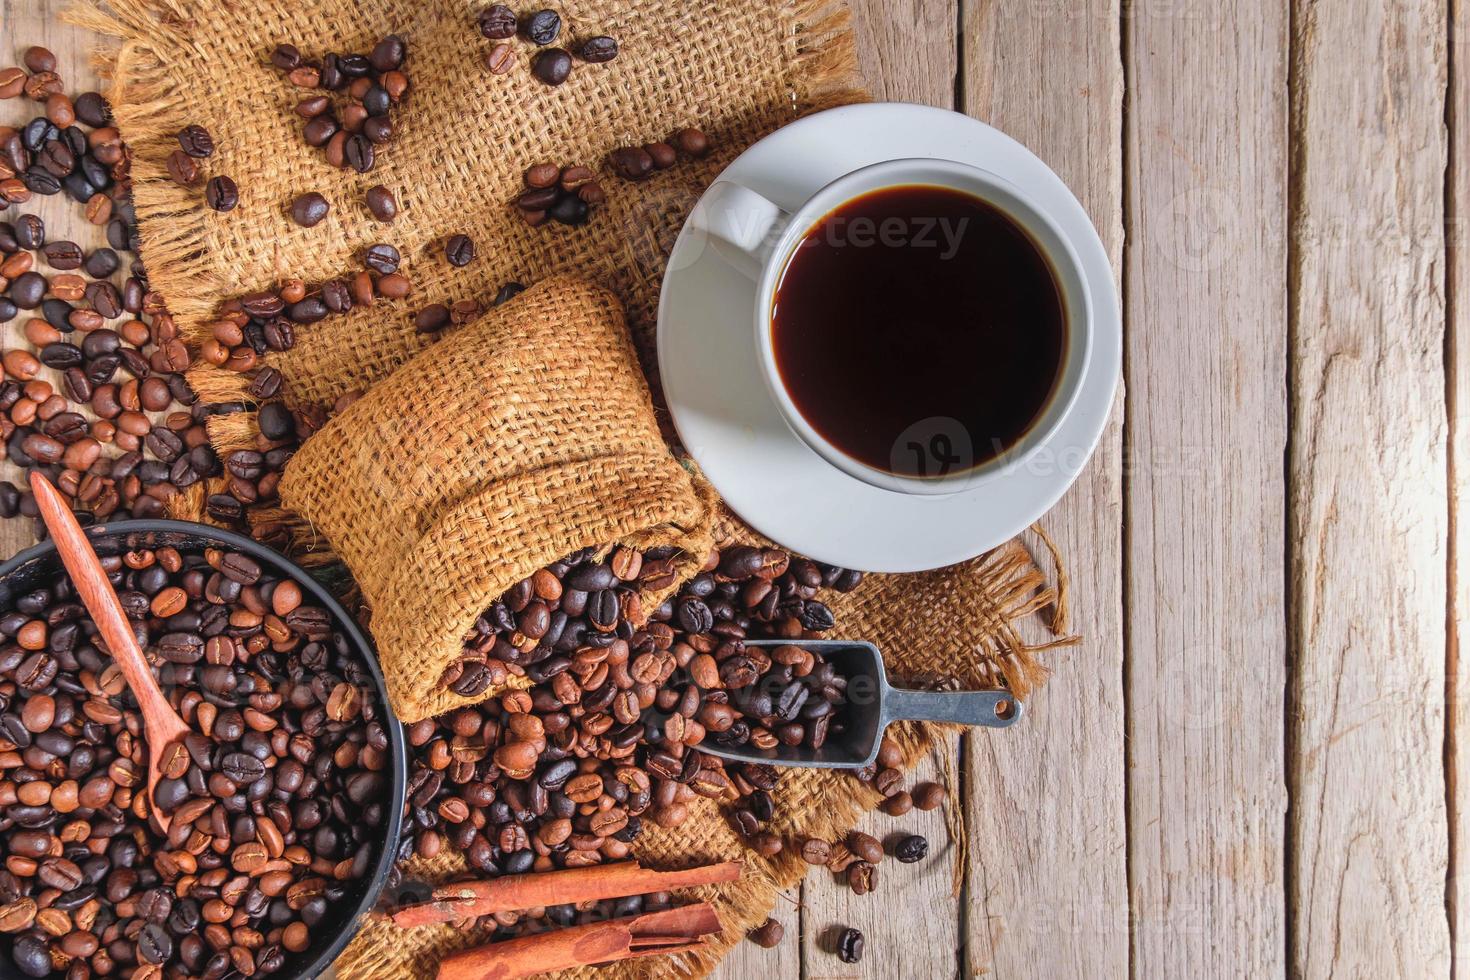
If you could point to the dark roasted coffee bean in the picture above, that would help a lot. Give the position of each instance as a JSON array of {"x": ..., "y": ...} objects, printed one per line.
[
  {"x": 459, "y": 250},
  {"x": 569, "y": 210},
  {"x": 92, "y": 109},
  {"x": 432, "y": 318},
  {"x": 266, "y": 384},
  {"x": 28, "y": 289},
  {"x": 30, "y": 231},
  {"x": 508, "y": 292},
  {"x": 542, "y": 27},
  {"x": 309, "y": 210},
  {"x": 768, "y": 935},
  {"x": 221, "y": 194},
  {"x": 497, "y": 22},
  {"x": 196, "y": 141},
  {"x": 358, "y": 153},
  {"x": 388, "y": 54},
  {"x": 599, "y": 49},
  {"x": 911, "y": 849},
  {"x": 691, "y": 141},
  {"x": 381, "y": 258},
  {"x": 850, "y": 946},
  {"x": 631, "y": 162},
  {"x": 551, "y": 66},
  {"x": 101, "y": 263},
  {"x": 62, "y": 255},
  {"x": 382, "y": 203},
  {"x": 182, "y": 168}
]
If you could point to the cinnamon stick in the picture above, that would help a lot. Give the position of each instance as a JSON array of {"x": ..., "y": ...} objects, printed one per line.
[
  {"x": 471, "y": 899},
  {"x": 675, "y": 930}
]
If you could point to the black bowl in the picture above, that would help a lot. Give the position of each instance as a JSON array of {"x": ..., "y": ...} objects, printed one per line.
[{"x": 40, "y": 564}]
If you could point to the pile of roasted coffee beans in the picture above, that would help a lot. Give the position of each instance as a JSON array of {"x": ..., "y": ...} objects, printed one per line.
[
  {"x": 566, "y": 195},
  {"x": 565, "y": 773},
  {"x": 182, "y": 165},
  {"x": 638, "y": 162},
  {"x": 278, "y": 797},
  {"x": 349, "y": 130},
  {"x": 551, "y": 65},
  {"x": 95, "y": 398}
]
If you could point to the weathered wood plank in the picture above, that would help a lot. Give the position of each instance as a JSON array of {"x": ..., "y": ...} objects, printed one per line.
[
  {"x": 910, "y": 924},
  {"x": 1457, "y": 742},
  {"x": 1367, "y": 472},
  {"x": 1206, "y": 300},
  {"x": 1047, "y": 888}
]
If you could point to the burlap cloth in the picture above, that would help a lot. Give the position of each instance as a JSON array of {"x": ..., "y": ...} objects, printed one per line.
[
  {"x": 526, "y": 437},
  {"x": 736, "y": 68}
]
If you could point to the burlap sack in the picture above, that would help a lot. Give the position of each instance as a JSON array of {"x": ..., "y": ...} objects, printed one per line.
[
  {"x": 520, "y": 438},
  {"x": 736, "y": 68}
]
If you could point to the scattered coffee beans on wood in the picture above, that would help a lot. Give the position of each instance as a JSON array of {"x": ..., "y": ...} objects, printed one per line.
[
  {"x": 276, "y": 796},
  {"x": 348, "y": 128},
  {"x": 93, "y": 392},
  {"x": 850, "y": 946}
]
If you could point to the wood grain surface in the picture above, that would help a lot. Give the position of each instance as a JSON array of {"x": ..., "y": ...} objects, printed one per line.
[
  {"x": 1368, "y": 532},
  {"x": 1252, "y": 767}
]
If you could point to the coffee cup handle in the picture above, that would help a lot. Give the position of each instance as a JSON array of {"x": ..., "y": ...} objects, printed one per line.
[{"x": 741, "y": 225}]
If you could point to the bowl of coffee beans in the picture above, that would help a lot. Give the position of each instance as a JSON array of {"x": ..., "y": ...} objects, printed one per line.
[{"x": 281, "y": 807}]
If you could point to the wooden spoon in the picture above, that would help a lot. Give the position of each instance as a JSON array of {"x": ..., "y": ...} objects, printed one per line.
[{"x": 162, "y": 726}]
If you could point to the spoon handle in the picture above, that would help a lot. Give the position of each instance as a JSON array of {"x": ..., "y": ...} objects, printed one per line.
[
  {"x": 987, "y": 709},
  {"x": 101, "y": 602}
]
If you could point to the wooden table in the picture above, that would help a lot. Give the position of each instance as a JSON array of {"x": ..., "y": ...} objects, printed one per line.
[{"x": 1251, "y": 768}]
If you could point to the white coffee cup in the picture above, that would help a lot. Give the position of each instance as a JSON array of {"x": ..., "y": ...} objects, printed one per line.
[{"x": 758, "y": 238}]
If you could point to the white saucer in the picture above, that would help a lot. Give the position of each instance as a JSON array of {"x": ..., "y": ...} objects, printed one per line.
[{"x": 729, "y": 424}]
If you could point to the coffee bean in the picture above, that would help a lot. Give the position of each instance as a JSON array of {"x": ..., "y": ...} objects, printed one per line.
[
  {"x": 542, "y": 27},
  {"x": 93, "y": 109},
  {"x": 497, "y": 22},
  {"x": 308, "y": 210},
  {"x": 196, "y": 141},
  {"x": 850, "y": 946},
  {"x": 381, "y": 258},
  {"x": 381, "y": 202},
  {"x": 911, "y": 849},
  {"x": 768, "y": 934},
  {"x": 459, "y": 250},
  {"x": 182, "y": 168},
  {"x": 388, "y": 54},
  {"x": 500, "y": 59},
  {"x": 929, "y": 796},
  {"x": 221, "y": 194},
  {"x": 551, "y": 66},
  {"x": 432, "y": 318},
  {"x": 631, "y": 162},
  {"x": 599, "y": 49},
  {"x": 359, "y": 154},
  {"x": 691, "y": 141}
]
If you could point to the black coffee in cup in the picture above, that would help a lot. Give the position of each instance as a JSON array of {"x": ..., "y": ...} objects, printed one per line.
[{"x": 919, "y": 330}]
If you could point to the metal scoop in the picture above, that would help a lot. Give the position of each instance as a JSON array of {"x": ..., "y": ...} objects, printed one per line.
[{"x": 871, "y": 705}]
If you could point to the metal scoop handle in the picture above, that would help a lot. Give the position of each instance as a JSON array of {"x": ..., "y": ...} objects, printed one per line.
[{"x": 989, "y": 709}]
